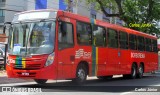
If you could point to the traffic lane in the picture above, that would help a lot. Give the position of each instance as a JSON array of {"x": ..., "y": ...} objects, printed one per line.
[
  {"x": 93, "y": 81},
  {"x": 6, "y": 80},
  {"x": 96, "y": 85}
]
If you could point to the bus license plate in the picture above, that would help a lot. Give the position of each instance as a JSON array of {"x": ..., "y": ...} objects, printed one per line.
[{"x": 25, "y": 74}]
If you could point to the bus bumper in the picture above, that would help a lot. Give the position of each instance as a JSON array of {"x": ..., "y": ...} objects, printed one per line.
[{"x": 43, "y": 73}]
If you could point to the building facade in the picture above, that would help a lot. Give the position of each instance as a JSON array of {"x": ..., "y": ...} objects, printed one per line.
[{"x": 9, "y": 7}]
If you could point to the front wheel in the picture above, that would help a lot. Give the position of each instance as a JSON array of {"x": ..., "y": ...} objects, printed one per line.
[
  {"x": 40, "y": 81},
  {"x": 81, "y": 74}
]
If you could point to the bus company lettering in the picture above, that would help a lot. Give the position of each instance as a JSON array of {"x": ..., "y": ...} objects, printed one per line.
[
  {"x": 81, "y": 53},
  {"x": 137, "y": 55}
]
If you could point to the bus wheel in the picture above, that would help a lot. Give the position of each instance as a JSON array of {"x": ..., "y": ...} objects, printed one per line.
[
  {"x": 40, "y": 81},
  {"x": 81, "y": 74},
  {"x": 140, "y": 71},
  {"x": 133, "y": 72}
]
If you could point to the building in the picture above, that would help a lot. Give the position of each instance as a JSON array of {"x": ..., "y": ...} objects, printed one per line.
[{"x": 9, "y": 7}]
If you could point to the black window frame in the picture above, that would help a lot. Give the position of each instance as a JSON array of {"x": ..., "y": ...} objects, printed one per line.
[
  {"x": 148, "y": 44},
  {"x": 140, "y": 43},
  {"x": 108, "y": 38},
  {"x": 104, "y": 36},
  {"x": 132, "y": 43},
  {"x": 90, "y": 38},
  {"x": 154, "y": 46},
  {"x": 72, "y": 35},
  {"x": 122, "y": 41}
]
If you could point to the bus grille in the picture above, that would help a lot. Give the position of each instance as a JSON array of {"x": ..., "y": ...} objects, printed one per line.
[{"x": 27, "y": 66}]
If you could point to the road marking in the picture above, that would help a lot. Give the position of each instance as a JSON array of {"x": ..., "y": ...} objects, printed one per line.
[
  {"x": 29, "y": 83},
  {"x": 126, "y": 93}
]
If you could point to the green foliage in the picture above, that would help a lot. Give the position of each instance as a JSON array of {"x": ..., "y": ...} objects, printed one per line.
[
  {"x": 135, "y": 12},
  {"x": 106, "y": 3}
]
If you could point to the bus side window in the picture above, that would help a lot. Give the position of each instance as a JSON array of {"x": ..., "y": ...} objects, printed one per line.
[
  {"x": 99, "y": 36},
  {"x": 123, "y": 40},
  {"x": 148, "y": 45},
  {"x": 154, "y": 46},
  {"x": 112, "y": 38},
  {"x": 65, "y": 35},
  {"x": 84, "y": 33},
  {"x": 140, "y": 43},
  {"x": 132, "y": 42}
]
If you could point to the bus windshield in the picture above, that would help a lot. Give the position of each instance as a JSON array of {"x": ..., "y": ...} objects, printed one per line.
[{"x": 32, "y": 38}]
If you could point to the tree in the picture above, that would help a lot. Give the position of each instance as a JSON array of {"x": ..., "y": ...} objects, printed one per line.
[{"x": 141, "y": 15}]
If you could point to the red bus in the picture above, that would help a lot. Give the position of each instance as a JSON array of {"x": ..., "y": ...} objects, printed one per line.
[{"x": 53, "y": 44}]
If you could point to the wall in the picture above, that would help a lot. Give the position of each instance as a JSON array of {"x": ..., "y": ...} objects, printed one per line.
[{"x": 12, "y": 7}]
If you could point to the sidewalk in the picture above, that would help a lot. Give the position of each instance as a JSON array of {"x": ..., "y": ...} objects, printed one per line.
[{"x": 3, "y": 73}]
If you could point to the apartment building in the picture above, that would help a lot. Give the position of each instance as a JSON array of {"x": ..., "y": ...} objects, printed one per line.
[{"x": 9, "y": 7}]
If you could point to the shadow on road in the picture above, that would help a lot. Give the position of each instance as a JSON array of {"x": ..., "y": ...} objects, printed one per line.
[{"x": 96, "y": 85}]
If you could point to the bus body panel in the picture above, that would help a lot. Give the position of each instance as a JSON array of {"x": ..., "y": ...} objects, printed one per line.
[
  {"x": 101, "y": 61},
  {"x": 35, "y": 68}
]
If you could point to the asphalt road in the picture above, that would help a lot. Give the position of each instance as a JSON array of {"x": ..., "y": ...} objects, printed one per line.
[{"x": 117, "y": 85}]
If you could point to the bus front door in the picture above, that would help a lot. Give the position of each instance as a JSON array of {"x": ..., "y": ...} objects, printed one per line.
[{"x": 66, "y": 52}]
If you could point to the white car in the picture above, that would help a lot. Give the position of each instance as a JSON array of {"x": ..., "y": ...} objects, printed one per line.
[{"x": 2, "y": 55}]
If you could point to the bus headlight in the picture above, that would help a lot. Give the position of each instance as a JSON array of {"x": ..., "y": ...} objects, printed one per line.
[{"x": 50, "y": 60}]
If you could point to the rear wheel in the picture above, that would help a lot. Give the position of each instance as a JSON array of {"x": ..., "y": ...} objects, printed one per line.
[
  {"x": 133, "y": 72},
  {"x": 40, "y": 81},
  {"x": 81, "y": 74},
  {"x": 140, "y": 71}
]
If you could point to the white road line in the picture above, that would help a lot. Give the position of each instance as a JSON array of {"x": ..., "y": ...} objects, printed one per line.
[
  {"x": 29, "y": 83},
  {"x": 126, "y": 93},
  {"x": 14, "y": 84}
]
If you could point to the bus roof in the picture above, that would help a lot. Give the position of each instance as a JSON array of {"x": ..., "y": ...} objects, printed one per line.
[
  {"x": 88, "y": 20},
  {"x": 105, "y": 24},
  {"x": 35, "y": 15}
]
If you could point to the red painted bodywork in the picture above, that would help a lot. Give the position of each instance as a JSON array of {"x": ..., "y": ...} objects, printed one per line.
[{"x": 65, "y": 63}]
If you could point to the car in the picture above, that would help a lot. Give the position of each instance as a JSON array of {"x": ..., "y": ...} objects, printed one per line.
[{"x": 2, "y": 54}]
